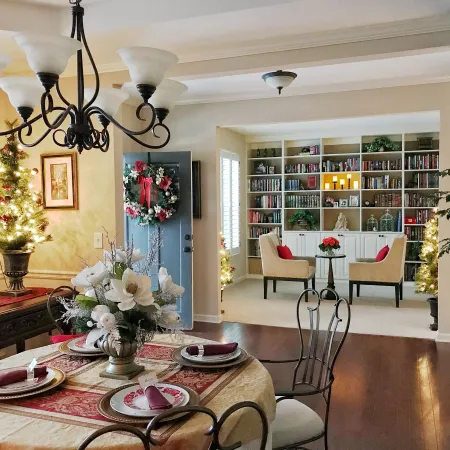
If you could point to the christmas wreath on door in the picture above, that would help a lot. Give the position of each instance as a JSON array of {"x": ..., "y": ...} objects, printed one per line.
[{"x": 151, "y": 193}]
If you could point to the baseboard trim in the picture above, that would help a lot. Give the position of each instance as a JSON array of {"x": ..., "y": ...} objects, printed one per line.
[
  {"x": 443, "y": 337},
  {"x": 208, "y": 318},
  {"x": 51, "y": 274}
]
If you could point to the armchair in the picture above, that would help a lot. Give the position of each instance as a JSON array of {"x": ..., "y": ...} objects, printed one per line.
[
  {"x": 275, "y": 268},
  {"x": 388, "y": 272}
]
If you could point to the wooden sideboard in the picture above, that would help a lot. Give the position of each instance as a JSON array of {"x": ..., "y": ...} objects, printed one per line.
[{"x": 25, "y": 319}]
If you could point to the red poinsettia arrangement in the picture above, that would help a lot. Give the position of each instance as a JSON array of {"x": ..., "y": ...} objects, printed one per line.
[{"x": 329, "y": 244}]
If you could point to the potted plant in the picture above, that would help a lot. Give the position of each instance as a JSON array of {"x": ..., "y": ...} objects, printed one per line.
[
  {"x": 303, "y": 220},
  {"x": 382, "y": 144},
  {"x": 329, "y": 245}
]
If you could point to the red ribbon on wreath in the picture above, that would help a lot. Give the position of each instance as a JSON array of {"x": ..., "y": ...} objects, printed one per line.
[{"x": 146, "y": 183}]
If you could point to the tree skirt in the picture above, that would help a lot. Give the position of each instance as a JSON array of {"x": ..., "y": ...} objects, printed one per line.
[{"x": 37, "y": 292}]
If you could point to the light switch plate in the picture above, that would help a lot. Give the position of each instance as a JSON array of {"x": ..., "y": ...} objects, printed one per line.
[{"x": 98, "y": 240}]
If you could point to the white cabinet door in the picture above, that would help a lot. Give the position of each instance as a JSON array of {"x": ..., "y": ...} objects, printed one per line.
[
  {"x": 369, "y": 245},
  {"x": 292, "y": 240},
  {"x": 351, "y": 247},
  {"x": 310, "y": 244}
]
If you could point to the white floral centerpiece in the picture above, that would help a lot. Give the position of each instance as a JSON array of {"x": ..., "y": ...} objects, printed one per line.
[{"x": 118, "y": 305}]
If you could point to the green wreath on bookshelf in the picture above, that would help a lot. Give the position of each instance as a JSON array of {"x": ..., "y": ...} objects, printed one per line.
[
  {"x": 382, "y": 144},
  {"x": 151, "y": 193}
]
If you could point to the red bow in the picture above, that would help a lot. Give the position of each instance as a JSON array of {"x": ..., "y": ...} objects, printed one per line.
[{"x": 146, "y": 183}]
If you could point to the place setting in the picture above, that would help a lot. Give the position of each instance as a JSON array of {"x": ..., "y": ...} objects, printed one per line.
[
  {"x": 28, "y": 381},
  {"x": 210, "y": 356},
  {"x": 136, "y": 404},
  {"x": 79, "y": 347}
]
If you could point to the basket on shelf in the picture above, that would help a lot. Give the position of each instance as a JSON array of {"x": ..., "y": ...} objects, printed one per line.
[{"x": 387, "y": 222}]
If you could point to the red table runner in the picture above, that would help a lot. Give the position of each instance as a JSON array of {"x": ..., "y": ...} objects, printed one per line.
[{"x": 37, "y": 292}]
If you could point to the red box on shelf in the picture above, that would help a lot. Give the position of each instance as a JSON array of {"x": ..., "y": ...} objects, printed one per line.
[{"x": 410, "y": 220}]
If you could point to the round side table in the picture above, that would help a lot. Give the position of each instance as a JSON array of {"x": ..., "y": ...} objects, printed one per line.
[{"x": 329, "y": 295}]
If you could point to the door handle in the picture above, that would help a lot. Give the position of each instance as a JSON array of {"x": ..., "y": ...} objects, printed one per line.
[
  {"x": 187, "y": 237},
  {"x": 187, "y": 249}
]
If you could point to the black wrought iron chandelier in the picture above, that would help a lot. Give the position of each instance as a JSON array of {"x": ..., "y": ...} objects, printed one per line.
[{"x": 48, "y": 56}]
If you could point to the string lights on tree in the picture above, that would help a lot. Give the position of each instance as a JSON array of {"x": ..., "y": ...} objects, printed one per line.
[
  {"x": 427, "y": 275},
  {"x": 226, "y": 269}
]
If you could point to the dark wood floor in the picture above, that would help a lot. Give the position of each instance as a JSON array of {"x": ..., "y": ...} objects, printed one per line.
[{"x": 390, "y": 393}]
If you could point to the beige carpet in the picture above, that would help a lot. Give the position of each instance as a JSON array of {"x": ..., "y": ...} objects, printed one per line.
[{"x": 373, "y": 313}]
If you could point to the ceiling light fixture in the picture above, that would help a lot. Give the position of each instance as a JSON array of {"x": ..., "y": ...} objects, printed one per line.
[
  {"x": 48, "y": 56},
  {"x": 279, "y": 79}
]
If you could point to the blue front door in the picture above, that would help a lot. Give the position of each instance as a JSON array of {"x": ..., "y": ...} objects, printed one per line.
[{"x": 175, "y": 253}]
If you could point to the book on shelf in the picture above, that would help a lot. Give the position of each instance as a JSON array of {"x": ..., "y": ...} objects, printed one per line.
[
  {"x": 351, "y": 165},
  {"x": 268, "y": 201},
  {"x": 393, "y": 200},
  {"x": 293, "y": 185},
  {"x": 266, "y": 184},
  {"x": 411, "y": 271},
  {"x": 382, "y": 165},
  {"x": 261, "y": 217},
  {"x": 417, "y": 199},
  {"x": 302, "y": 201},
  {"x": 302, "y": 168},
  {"x": 414, "y": 233},
  {"x": 256, "y": 232},
  {"x": 426, "y": 180},
  {"x": 421, "y": 216},
  {"x": 381, "y": 182},
  {"x": 422, "y": 162}
]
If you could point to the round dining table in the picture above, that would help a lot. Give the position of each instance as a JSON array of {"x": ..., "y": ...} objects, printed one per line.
[{"x": 62, "y": 418}]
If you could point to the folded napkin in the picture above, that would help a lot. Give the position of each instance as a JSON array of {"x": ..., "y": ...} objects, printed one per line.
[
  {"x": 155, "y": 399},
  {"x": 57, "y": 339},
  {"x": 14, "y": 376},
  {"x": 213, "y": 349}
]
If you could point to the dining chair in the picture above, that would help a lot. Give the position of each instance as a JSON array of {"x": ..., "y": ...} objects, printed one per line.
[
  {"x": 114, "y": 428},
  {"x": 216, "y": 424},
  {"x": 56, "y": 311},
  {"x": 295, "y": 423}
]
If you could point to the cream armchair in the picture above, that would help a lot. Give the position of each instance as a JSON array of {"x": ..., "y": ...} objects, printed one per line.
[
  {"x": 388, "y": 272},
  {"x": 275, "y": 268}
]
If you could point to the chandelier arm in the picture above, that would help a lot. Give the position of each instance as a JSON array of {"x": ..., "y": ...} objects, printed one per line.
[
  {"x": 96, "y": 110},
  {"x": 21, "y": 127},
  {"x": 67, "y": 143},
  {"x": 152, "y": 147},
  {"x": 62, "y": 98},
  {"x": 61, "y": 118},
  {"x": 94, "y": 67}
]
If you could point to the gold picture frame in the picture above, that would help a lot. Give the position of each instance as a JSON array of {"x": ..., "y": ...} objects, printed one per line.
[{"x": 59, "y": 174}]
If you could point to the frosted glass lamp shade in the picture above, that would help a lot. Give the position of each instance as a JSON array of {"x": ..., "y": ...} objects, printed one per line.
[
  {"x": 22, "y": 91},
  {"x": 279, "y": 79},
  {"x": 4, "y": 60},
  {"x": 147, "y": 65},
  {"x": 47, "y": 53},
  {"x": 167, "y": 94},
  {"x": 130, "y": 88},
  {"x": 108, "y": 99}
]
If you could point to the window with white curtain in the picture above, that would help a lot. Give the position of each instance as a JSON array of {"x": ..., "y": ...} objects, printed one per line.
[{"x": 229, "y": 199}]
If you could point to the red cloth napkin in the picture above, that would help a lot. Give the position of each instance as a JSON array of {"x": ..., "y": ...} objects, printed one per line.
[
  {"x": 155, "y": 399},
  {"x": 213, "y": 349},
  {"x": 63, "y": 338},
  {"x": 14, "y": 376}
]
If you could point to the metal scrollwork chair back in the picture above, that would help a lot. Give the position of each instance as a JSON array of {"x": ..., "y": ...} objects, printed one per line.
[
  {"x": 313, "y": 372},
  {"x": 216, "y": 424},
  {"x": 55, "y": 310}
]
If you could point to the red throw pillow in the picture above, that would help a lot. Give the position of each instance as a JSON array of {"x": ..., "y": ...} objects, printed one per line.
[
  {"x": 284, "y": 252},
  {"x": 382, "y": 253}
]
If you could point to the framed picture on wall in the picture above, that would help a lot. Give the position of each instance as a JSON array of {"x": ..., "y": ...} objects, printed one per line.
[{"x": 59, "y": 180}]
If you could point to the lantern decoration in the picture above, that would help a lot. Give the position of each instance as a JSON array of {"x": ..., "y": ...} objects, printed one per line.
[
  {"x": 372, "y": 223},
  {"x": 387, "y": 222}
]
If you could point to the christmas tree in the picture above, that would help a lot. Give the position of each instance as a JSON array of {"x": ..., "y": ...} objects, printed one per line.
[
  {"x": 427, "y": 275},
  {"x": 226, "y": 269},
  {"x": 22, "y": 220}
]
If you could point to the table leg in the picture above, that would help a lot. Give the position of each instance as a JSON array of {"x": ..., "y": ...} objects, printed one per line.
[
  {"x": 20, "y": 346},
  {"x": 329, "y": 295}
]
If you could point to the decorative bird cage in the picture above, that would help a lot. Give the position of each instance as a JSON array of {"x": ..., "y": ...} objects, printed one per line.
[
  {"x": 372, "y": 223},
  {"x": 387, "y": 222}
]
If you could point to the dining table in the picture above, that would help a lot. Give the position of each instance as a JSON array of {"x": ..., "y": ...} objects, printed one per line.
[{"x": 62, "y": 418}]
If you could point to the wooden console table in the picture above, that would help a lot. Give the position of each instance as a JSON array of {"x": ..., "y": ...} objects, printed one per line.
[{"x": 26, "y": 319}]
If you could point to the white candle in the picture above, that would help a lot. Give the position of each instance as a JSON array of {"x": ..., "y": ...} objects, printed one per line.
[
  {"x": 355, "y": 185},
  {"x": 327, "y": 186}
]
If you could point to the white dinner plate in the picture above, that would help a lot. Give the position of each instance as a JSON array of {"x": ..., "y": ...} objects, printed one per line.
[
  {"x": 210, "y": 359},
  {"x": 132, "y": 401},
  {"x": 79, "y": 345},
  {"x": 25, "y": 386}
]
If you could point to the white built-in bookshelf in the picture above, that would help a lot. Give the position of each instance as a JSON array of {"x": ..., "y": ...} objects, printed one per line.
[{"x": 284, "y": 176}]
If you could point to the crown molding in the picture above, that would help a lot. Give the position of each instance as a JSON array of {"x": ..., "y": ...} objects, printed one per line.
[{"x": 434, "y": 24}]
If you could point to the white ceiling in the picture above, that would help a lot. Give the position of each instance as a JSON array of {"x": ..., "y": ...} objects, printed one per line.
[{"x": 387, "y": 124}]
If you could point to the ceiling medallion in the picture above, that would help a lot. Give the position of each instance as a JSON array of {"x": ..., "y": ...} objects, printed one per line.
[{"x": 48, "y": 56}]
